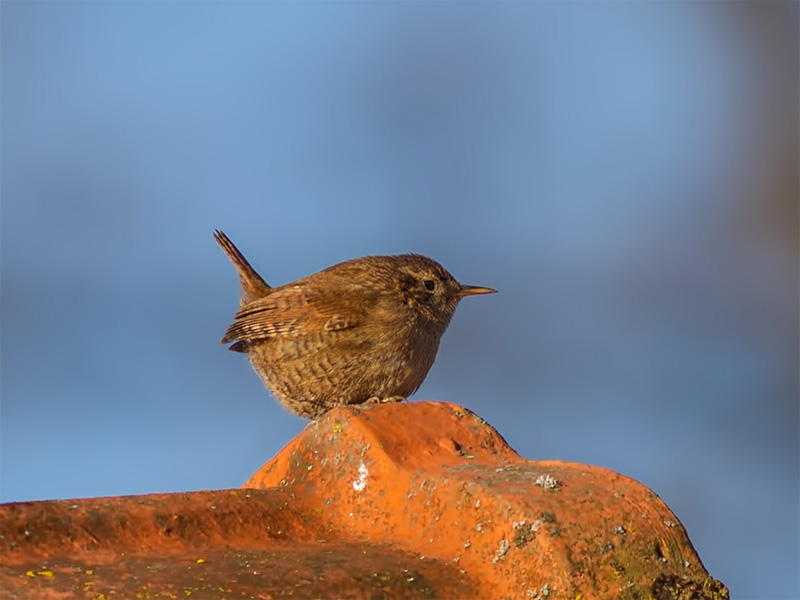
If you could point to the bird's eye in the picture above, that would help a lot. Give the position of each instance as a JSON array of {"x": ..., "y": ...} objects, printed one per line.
[{"x": 429, "y": 284}]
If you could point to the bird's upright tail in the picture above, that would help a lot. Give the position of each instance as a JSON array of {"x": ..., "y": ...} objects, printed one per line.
[{"x": 253, "y": 286}]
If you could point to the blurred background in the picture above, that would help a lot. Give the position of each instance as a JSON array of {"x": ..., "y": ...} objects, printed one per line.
[{"x": 626, "y": 174}]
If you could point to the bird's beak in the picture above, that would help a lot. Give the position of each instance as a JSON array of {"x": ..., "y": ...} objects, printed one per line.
[{"x": 474, "y": 290}]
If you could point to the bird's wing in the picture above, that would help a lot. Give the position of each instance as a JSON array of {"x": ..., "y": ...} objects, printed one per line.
[{"x": 297, "y": 310}]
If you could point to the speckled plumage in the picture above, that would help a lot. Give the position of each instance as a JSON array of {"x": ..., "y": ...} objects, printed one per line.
[{"x": 365, "y": 330}]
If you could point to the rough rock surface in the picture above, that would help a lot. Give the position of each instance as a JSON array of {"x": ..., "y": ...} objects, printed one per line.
[{"x": 417, "y": 500}]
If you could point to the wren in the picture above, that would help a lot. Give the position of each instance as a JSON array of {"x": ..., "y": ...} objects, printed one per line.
[{"x": 362, "y": 331}]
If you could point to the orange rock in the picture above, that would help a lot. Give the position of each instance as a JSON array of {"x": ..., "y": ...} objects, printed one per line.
[
  {"x": 397, "y": 500},
  {"x": 222, "y": 544},
  {"x": 435, "y": 479}
]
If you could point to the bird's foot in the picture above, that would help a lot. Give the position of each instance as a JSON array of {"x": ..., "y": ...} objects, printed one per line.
[{"x": 376, "y": 400}]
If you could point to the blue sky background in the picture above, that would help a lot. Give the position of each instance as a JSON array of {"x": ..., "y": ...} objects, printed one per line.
[{"x": 626, "y": 174}]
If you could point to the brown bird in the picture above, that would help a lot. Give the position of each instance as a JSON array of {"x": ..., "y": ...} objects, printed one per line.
[{"x": 362, "y": 331}]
